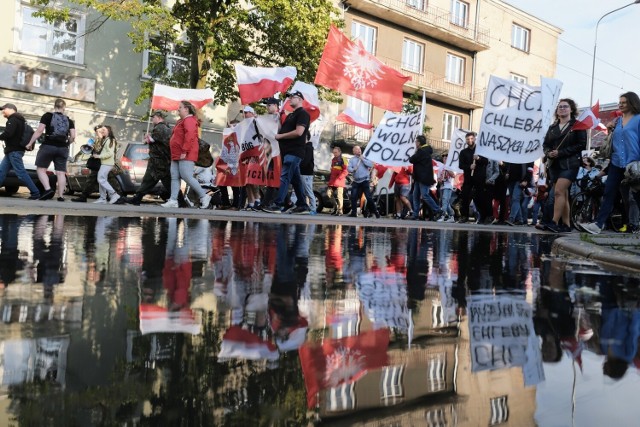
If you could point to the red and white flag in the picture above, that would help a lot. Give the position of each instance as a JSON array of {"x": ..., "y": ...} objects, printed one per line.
[
  {"x": 311, "y": 102},
  {"x": 168, "y": 98},
  {"x": 347, "y": 67},
  {"x": 588, "y": 119},
  {"x": 353, "y": 118},
  {"x": 256, "y": 83},
  {"x": 342, "y": 361},
  {"x": 239, "y": 343},
  {"x": 155, "y": 319}
]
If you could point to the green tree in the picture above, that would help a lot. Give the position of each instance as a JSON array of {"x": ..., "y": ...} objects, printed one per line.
[{"x": 212, "y": 35}]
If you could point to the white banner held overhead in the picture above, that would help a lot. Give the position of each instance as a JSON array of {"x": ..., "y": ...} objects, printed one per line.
[
  {"x": 511, "y": 129},
  {"x": 550, "y": 96},
  {"x": 393, "y": 141}
]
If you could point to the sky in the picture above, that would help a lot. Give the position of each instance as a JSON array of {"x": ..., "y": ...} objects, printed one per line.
[{"x": 618, "y": 46}]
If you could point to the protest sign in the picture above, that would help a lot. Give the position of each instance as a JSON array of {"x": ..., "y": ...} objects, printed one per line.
[
  {"x": 502, "y": 336},
  {"x": 384, "y": 299},
  {"x": 455, "y": 147},
  {"x": 511, "y": 129},
  {"x": 393, "y": 141},
  {"x": 550, "y": 96}
]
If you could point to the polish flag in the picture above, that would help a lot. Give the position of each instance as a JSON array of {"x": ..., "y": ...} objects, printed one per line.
[
  {"x": 347, "y": 67},
  {"x": 588, "y": 119},
  {"x": 239, "y": 343},
  {"x": 256, "y": 83},
  {"x": 168, "y": 98},
  {"x": 353, "y": 118},
  {"x": 311, "y": 101},
  {"x": 155, "y": 319},
  {"x": 602, "y": 128}
]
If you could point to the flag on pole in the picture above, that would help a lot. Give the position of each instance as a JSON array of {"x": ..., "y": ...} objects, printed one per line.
[
  {"x": 311, "y": 102},
  {"x": 353, "y": 118},
  {"x": 347, "y": 67},
  {"x": 168, "y": 98},
  {"x": 256, "y": 83},
  {"x": 588, "y": 119},
  {"x": 423, "y": 111}
]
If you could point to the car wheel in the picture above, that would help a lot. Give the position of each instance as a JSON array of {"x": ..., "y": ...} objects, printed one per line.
[
  {"x": 11, "y": 189},
  {"x": 319, "y": 204}
]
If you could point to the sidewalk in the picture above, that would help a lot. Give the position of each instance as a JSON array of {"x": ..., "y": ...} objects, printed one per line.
[{"x": 615, "y": 250}]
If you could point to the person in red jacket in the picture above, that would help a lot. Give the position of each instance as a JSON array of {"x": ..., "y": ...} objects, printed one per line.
[
  {"x": 184, "y": 153},
  {"x": 337, "y": 179},
  {"x": 401, "y": 182}
]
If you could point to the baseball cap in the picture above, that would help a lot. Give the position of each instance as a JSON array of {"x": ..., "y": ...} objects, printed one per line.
[
  {"x": 269, "y": 101},
  {"x": 8, "y": 105},
  {"x": 295, "y": 93},
  {"x": 248, "y": 109}
]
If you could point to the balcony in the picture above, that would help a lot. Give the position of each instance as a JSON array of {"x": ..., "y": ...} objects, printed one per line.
[
  {"x": 439, "y": 89},
  {"x": 350, "y": 135},
  {"x": 429, "y": 20}
]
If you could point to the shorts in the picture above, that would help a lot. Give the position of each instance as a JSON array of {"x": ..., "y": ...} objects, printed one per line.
[
  {"x": 51, "y": 153},
  {"x": 402, "y": 190},
  {"x": 569, "y": 174}
]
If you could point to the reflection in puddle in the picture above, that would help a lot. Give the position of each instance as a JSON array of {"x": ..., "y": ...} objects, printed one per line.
[{"x": 168, "y": 321}]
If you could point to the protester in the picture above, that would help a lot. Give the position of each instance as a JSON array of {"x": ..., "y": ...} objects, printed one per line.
[
  {"x": 625, "y": 150},
  {"x": 251, "y": 193},
  {"x": 292, "y": 139},
  {"x": 401, "y": 182},
  {"x": 13, "y": 149},
  {"x": 519, "y": 178},
  {"x": 159, "y": 164},
  {"x": 492, "y": 174},
  {"x": 445, "y": 180},
  {"x": 337, "y": 180},
  {"x": 307, "y": 167},
  {"x": 562, "y": 147},
  {"x": 474, "y": 168},
  {"x": 273, "y": 111},
  {"x": 91, "y": 184},
  {"x": 499, "y": 196},
  {"x": 59, "y": 133},
  {"x": 106, "y": 149},
  {"x": 184, "y": 153},
  {"x": 423, "y": 179},
  {"x": 360, "y": 167}
]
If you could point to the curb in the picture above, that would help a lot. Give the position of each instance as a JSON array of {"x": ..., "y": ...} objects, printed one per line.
[{"x": 612, "y": 258}]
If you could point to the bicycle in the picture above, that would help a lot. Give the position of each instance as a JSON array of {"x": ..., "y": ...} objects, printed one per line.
[{"x": 586, "y": 204}]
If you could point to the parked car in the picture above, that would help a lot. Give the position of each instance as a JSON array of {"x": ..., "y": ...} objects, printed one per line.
[
  {"x": 11, "y": 183},
  {"x": 323, "y": 202},
  {"x": 133, "y": 161}
]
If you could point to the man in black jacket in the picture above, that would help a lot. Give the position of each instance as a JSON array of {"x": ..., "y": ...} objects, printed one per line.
[
  {"x": 13, "y": 149},
  {"x": 473, "y": 187},
  {"x": 423, "y": 179}
]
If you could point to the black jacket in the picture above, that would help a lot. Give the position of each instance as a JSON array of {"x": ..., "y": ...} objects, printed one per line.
[
  {"x": 520, "y": 172},
  {"x": 422, "y": 165},
  {"x": 12, "y": 135},
  {"x": 570, "y": 143},
  {"x": 466, "y": 160}
]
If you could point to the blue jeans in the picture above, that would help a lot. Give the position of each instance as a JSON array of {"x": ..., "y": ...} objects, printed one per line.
[
  {"x": 421, "y": 193},
  {"x": 307, "y": 185},
  {"x": 445, "y": 201},
  {"x": 357, "y": 189},
  {"x": 13, "y": 160},
  {"x": 519, "y": 203},
  {"x": 290, "y": 174},
  {"x": 611, "y": 192}
]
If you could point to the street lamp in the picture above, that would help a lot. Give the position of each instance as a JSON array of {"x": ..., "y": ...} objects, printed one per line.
[{"x": 593, "y": 66}]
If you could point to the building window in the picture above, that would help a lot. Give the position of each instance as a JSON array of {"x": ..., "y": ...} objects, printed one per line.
[
  {"x": 412, "y": 56},
  {"x": 450, "y": 122},
  {"x": 455, "y": 69},
  {"x": 391, "y": 382},
  {"x": 436, "y": 371},
  {"x": 63, "y": 40},
  {"x": 499, "y": 411},
  {"x": 459, "y": 13},
  {"x": 416, "y": 4},
  {"x": 518, "y": 78},
  {"x": 520, "y": 37},
  {"x": 165, "y": 59},
  {"x": 366, "y": 34},
  {"x": 341, "y": 398},
  {"x": 436, "y": 418}
]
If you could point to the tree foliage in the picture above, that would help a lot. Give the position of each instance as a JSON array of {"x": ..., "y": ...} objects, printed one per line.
[{"x": 213, "y": 35}]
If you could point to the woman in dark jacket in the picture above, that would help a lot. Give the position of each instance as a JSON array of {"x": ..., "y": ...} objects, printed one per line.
[{"x": 563, "y": 147}]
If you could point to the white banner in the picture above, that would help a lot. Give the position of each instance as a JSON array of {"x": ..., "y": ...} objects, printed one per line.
[
  {"x": 384, "y": 299},
  {"x": 550, "y": 96},
  {"x": 455, "y": 147},
  {"x": 511, "y": 129},
  {"x": 393, "y": 141}
]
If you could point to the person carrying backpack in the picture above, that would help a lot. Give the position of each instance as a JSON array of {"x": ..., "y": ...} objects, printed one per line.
[
  {"x": 14, "y": 150},
  {"x": 59, "y": 133}
]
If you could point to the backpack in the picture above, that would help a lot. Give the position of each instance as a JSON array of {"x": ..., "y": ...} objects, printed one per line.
[
  {"x": 27, "y": 133},
  {"x": 60, "y": 125}
]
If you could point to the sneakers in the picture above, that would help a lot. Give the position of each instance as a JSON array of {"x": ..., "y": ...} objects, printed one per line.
[
  {"x": 463, "y": 220},
  {"x": 205, "y": 201},
  {"x": 35, "y": 196},
  {"x": 438, "y": 216},
  {"x": 170, "y": 204},
  {"x": 443, "y": 218},
  {"x": 272, "y": 208},
  {"x": 100, "y": 201},
  {"x": 135, "y": 201},
  {"x": 449, "y": 219},
  {"x": 114, "y": 199},
  {"x": 61, "y": 199},
  {"x": 591, "y": 227},
  {"x": 377, "y": 214},
  {"x": 47, "y": 195},
  {"x": 79, "y": 199},
  {"x": 301, "y": 210}
]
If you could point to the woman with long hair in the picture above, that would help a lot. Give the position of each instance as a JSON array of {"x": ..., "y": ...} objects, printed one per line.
[
  {"x": 105, "y": 149},
  {"x": 625, "y": 150},
  {"x": 184, "y": 153},
  {"x": 563, "y": 147}
]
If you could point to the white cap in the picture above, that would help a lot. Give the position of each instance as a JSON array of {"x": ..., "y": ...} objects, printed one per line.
[{"x": 248, "y": 109}]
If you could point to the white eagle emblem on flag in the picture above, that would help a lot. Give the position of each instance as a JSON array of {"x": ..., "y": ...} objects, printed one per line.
[{"x": 362, "y": 69}]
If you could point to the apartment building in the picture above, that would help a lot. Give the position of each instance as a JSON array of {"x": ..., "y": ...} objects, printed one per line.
[{"x": 449, "y": 48}]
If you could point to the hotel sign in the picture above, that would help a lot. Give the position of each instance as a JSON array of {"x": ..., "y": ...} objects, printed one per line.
[{"x": 33, "y": 80}]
